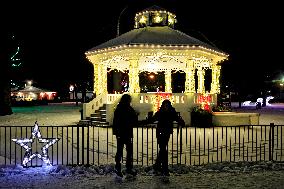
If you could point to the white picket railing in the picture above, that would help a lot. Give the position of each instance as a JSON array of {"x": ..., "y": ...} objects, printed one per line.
[{"x": 95, "y": 104}]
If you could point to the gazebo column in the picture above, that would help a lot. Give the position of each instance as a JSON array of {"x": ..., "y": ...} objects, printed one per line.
[
  {"x": 96, "y": 79},
  {"x": 200, "y": 75},
  {"x": 189, "y": 78},
  {"x": 100, "y": 79},
  {"x": 168, "y": 81},
  {"x": 215, "y": 85},
  {"x": 104, "y": 79},
  {"x": 134, "y": 76}
]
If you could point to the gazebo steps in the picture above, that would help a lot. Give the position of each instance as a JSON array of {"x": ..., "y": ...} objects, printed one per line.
[
  {"x": 97, "y": 119},
  {"x": 95, "y": 115},
  {"x": 84, "y": 122},
  {"x": 102, "y": 124}
]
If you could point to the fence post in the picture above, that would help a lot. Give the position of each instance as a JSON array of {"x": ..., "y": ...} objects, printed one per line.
[
  {"x": 272, "y": 138},
  {"x": 78, "y": 146},
  {"x": 83, "y": 147},
  {"x": 180, "y": 145},
  {"x": 88, "y": 146},
  {"x": 271, "y": 141}
]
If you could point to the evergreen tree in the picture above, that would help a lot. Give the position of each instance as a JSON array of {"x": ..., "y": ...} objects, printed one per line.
[{"x": 9, "y": 50}]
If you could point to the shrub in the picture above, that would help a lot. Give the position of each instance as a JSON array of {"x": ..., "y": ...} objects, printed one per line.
[
  {"x": 221, "y": 109},
  {"x": 201, "y": 117}
]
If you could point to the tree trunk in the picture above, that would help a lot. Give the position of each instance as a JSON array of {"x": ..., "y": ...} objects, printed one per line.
[{"x": 5, "y": 94}]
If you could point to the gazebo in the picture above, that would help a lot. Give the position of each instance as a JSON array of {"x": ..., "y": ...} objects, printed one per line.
[
  {"x": 155, "y": 46},
  {"x": 31, "y": 93}
]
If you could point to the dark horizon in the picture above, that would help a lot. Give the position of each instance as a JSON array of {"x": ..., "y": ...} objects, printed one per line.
[{"x": 54, "y": 37}]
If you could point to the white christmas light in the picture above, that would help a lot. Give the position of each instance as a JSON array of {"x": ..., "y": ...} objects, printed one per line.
[{"x": 36, "y": 135}]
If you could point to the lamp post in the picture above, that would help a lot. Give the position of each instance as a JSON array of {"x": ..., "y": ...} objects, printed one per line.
[
  {"x": 71, "y": 89},
  {"x": 280, "y": 90},
  {"x": 118, "y": 21}
]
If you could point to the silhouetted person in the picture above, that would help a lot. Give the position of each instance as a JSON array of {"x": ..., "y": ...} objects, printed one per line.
[
  {"x": 125, "y": 118},
  {"x": 165, "y": 117}
]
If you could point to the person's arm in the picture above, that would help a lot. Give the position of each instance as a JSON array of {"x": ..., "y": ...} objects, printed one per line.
[
  {"x": 178, "y": 119},
  {"x": 154, "y": 118},
  {"x": 181, "y": 122}
]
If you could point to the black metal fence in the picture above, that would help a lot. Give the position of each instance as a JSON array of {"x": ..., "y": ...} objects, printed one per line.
[{"x": 79, "y": 144}]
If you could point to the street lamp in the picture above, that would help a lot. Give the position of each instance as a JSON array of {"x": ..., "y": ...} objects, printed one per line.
[
  {"x": 71, "y": 88},
  {"x": 280, "y": 89}
]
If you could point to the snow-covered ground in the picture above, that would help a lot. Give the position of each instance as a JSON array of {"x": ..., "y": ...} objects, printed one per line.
[
  {"x": 69, "y": 114},
  {"x": 213, "y": 175},
  {"x": 269, "y": 114},
  {"x": 51, "y": 114},
  {"x": 218, "y": 175}
]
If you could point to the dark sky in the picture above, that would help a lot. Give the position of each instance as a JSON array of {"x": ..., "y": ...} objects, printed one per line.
[{"x": 54, "y": 36}]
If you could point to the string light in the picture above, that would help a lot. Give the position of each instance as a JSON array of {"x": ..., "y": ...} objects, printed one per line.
[
  {"x": 158, "y": 19},
  {"x": 171, "y": 21},
  {"x": 159, "y": 16},
  {"x": 36, "y": 135},
  {"x": 205, "y": 101},
  {"x": 15, "y": 63},
  {"x": 143, "y": 20},
  {"x": 15, "y": 60}
]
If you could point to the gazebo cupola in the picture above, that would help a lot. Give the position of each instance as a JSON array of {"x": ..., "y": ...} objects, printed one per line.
[{"x": 154, "y": 16}]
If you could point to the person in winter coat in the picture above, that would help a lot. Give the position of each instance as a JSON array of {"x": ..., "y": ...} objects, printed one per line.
[
  {"x": 165, "y": 117},
  {"x": 125, "y": 118}
]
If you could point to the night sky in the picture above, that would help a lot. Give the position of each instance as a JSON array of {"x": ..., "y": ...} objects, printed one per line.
[{"x": 54, "y": 36}]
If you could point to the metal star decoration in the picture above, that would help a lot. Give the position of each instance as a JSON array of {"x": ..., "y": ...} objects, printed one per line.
[{"x": 36, "y": 135}]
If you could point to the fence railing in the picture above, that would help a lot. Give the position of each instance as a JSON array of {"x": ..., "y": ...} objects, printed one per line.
[{"x": 80, "y": 144}]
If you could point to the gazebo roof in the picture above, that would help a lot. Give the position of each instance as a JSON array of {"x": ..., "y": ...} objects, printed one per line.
[
  {"x": 162, "y": 35},
  {"x": 154, "y": 8}
]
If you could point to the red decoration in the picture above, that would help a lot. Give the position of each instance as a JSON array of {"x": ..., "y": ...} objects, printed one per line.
[
  {"x": 160, "y": 97},
  {"x": 205, "y": 101}
]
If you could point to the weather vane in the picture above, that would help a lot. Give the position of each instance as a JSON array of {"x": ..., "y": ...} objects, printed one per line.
[{"x": 29, "y": 155}]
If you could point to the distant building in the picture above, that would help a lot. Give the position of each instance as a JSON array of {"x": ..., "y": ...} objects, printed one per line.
[{"x": 31, "y": 93}]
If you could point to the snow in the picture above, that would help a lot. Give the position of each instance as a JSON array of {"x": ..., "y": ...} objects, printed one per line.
[
  {"x": 212, "y": 175},
  {"x": 163, "y": 35},
  {"x": 269, "y": 114},
  {"x": 52, "y": 114}
]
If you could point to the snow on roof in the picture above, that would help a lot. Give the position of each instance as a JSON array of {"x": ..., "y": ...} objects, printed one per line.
[
  {"x": 163, "y": 35},
  {"x": 33, "y": 89}
]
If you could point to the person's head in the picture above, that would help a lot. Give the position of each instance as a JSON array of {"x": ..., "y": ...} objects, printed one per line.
[
  {"x": 166, "y": 105},
  {"x": 125, "y": 99}
]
